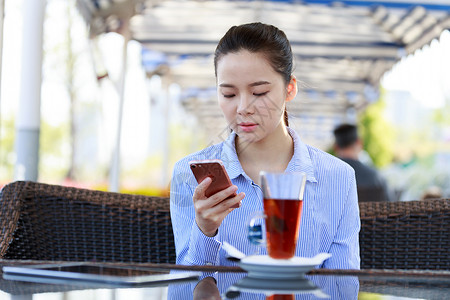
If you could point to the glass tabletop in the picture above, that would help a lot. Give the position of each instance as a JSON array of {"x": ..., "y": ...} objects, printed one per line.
[
  {"x": 369, "y": 287},
  {"x": 234, "y": 283}
]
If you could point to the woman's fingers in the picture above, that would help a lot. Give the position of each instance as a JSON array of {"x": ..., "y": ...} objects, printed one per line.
[
  {"x": 199, "y": 192},
  {"x": 228, "y": 205},
  {"x": 209, "y": 219},
  {"x": 222, "y": 195},
  {"x": 211, "y": 211}
]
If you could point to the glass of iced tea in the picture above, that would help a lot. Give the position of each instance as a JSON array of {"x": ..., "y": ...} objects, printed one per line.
[{"x": 283, "y": 203}]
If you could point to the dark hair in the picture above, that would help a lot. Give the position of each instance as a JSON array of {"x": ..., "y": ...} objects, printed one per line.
[
  {"x": 345, "y": 135},
  {"x": 259, "y": 38}
]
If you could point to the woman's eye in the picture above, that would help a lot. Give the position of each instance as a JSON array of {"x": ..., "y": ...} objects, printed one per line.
[
  {"x": 259, "y": 94},
  {"x": 228, "y": 95}
]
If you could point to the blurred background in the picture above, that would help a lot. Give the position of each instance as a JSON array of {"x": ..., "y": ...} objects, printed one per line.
[{"x": 112, "y": 93}]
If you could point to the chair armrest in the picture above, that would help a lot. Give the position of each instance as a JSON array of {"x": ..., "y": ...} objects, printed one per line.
[{"x": 10, "y": 205}]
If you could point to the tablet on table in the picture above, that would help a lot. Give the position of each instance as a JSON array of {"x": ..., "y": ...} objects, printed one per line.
[{"x": 96, "y": 274}]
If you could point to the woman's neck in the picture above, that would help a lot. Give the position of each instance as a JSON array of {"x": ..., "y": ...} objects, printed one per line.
[{"x": 273, "y": 153}]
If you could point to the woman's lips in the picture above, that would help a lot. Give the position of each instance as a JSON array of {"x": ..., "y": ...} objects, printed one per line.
[{"x": 247, "y": 127}]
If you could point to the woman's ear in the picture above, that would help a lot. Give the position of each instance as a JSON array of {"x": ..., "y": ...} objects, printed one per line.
[{"x": 291, "y": 89}]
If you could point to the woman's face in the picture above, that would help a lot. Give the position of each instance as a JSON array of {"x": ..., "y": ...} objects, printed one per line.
[{"x": 252, "y": 95}]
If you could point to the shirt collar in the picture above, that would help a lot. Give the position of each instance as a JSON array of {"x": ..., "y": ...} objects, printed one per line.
[
  {"x": 229, "y": 157},
  {"x": 300, "y": 162}
]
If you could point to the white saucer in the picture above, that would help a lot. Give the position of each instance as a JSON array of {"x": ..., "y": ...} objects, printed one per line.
[
  {"x": 272, "y": 286},
  {"x": 263, "y": 266}
]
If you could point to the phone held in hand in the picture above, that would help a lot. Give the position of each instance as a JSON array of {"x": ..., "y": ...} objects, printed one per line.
[{"x": 214, "y": 169}]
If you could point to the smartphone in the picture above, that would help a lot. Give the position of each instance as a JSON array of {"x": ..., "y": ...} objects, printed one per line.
[{"x": 214, "y": 169}]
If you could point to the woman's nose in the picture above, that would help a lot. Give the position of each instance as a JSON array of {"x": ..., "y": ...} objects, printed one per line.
[{"x": 246, "y": 106}]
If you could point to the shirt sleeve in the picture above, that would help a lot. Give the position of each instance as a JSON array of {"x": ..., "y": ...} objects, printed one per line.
[
  {"x": 337, "y": 287},
  {"x": 345, "y": 245},
  {"x": 192, "y": 246}
]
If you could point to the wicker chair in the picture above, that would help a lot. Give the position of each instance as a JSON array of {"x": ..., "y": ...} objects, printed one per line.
[
  {"x": 49, "y": 222},
  {"x": 405, "y": 235}
]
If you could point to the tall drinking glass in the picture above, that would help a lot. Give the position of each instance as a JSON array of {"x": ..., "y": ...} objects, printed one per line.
[{"x": 283, "y": 203}]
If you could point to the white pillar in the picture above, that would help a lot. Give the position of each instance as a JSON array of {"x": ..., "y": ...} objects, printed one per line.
[
  {"x": 114, "y": 173},
  {"x": 28, "y": 118}
]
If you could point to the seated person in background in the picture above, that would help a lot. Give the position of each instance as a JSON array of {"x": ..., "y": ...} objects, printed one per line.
[{"x": 348, "y": 146}]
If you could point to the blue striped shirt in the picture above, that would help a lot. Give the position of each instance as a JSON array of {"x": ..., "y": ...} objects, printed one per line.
[{"x": 330, "y": 219}]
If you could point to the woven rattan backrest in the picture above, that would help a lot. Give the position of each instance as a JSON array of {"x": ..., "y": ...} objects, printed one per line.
[
  {"x": 405, "y": 235},
  {"x": 51, "y": 222}
]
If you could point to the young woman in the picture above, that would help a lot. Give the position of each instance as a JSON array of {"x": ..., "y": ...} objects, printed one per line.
[{"x": 253, "y": 65}]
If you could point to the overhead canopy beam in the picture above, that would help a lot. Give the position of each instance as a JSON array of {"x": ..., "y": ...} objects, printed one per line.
[
  {"x": 302, "y": 50},
  {"x": 342, "y": 48},
  {"x": 429, "y": 5}
]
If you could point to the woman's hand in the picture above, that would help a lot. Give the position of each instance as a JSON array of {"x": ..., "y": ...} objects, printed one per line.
[
  {"x": 207, "y": 289},
  {"x": 210, "y": 212}
]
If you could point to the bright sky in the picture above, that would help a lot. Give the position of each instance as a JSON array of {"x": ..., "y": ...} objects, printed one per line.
[{"x": 425, "y": 74}]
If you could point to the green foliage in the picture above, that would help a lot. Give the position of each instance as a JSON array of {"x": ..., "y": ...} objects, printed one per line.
[
  {"x": 441, "y": 116},
  {"x": 183, "y": 140},
  {"x": 54, "y": 150},
  {"x": 7, "y": 149},
  {"x": 150, "y": 191},
  {"x": 377, "y": 134},
  {"x": 369, "y": 296}
]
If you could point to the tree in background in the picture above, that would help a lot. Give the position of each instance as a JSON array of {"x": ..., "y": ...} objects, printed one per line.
[
  {"x": 65, "y": 70},
  {"x": 441, "y": 116},
  {"x": 71, "y": 58},
  {"x": 54, "y": 144},
  {"x": 7, "y": 159},
  {"x": 377, "y": 133}
]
